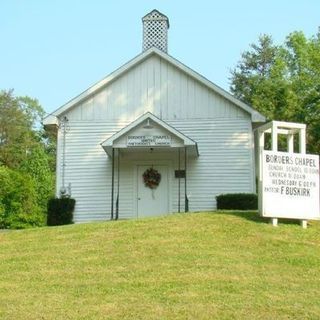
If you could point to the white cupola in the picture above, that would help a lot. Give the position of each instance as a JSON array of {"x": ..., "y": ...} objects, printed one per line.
[{"x": 155, "y": 31}]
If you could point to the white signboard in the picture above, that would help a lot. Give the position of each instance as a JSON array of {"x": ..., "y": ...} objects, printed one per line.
[
  {"x": 149, "y": 141},
  {"x": 290, "y": 185}
]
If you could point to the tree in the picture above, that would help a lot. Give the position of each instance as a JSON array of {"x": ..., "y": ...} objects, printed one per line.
[
  {"x": 303, "y": 60},
  {"x": 283, "y": 82},
  {"x": 26, "y": 154},
  {"x": 16, "y": 135}
]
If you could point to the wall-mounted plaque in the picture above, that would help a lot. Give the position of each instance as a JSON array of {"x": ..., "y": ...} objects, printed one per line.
[{"x": 149, "y": 141}]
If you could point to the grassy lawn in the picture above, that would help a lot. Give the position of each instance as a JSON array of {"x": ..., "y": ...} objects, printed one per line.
[{"x": 184, "y": 266}]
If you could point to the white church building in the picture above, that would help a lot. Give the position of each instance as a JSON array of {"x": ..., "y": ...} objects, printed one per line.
[{"x": 153, "y": 137}]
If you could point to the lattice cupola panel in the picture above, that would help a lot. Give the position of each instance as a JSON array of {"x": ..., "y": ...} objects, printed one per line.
[{"x": 155, "y": 31}]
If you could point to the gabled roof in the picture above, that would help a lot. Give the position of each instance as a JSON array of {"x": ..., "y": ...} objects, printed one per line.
[
  {"x": 255, "y": 115},
  {"x": 187, "y": 142}
]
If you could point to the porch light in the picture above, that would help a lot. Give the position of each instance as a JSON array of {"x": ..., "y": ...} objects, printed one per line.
[{"x": 148, "y": 125}]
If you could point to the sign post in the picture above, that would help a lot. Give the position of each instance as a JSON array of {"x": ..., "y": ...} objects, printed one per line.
[
  {"x": 290, "y": 185},
  {"x": 288, "y": 181}
]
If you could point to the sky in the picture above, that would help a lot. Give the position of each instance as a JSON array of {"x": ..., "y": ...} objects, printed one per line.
[{"x": 53, "y": 50}]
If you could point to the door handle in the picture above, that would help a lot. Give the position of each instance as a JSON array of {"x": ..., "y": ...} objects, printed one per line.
[{"x": 139, "y": 198}]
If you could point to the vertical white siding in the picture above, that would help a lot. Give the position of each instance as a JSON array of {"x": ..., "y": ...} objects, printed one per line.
[{"x": 159, "y": 87}]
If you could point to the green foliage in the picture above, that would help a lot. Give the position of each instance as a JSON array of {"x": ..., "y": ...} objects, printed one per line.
[
  {"x": 20, "y": 129},
  {"x": 60, "y": 211},
  {"x": 15, "y": 134},
  {"x": 37, "y": 166},
  {"x": 283, "y": 82},
  {"x": 19, "y": 207},
  {"x": 28, "y": 154},
  {"x": 237, "y": 201}
]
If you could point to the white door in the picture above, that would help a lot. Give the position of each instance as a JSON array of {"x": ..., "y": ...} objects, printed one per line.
[{"x": 151, "y": 202}]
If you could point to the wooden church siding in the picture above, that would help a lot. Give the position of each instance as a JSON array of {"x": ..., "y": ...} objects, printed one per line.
[
  {"x": 159, "y": 87},
  {"x": 221, "y": 129},
  {"x": 157, "y": 100},
  {"x": 226, "y": 155}
]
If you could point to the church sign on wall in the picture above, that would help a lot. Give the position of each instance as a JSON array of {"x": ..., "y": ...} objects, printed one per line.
[
  {"x": 290, "y": 185},
  {"x": 149, "y": 141}
]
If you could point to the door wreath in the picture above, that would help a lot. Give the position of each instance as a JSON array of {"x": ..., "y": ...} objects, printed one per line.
[{"x": 151, "y": 178}]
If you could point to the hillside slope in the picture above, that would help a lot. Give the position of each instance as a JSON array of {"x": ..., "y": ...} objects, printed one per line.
[{"x": 183, "y": 266}]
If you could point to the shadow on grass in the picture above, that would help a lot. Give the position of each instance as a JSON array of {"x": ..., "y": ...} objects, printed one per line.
[
  {"x": 255, "y": 217},
  {"x": 247, "y": 215}
]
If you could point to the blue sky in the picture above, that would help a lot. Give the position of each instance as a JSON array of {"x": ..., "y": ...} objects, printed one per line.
[{"x": 54, "y": 50}]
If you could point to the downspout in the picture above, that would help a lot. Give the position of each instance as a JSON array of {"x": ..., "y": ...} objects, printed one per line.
[
  {"x": 118, "y": 187},
  {"x": 179, "y": 180},
  {"x": 186, "y": 200},
  {"x": 112, "y": 182},
  {"x": 65, "y": 129}
]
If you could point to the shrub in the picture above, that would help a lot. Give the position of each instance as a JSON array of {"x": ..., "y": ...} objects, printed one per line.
[
  {"x": 237, "y": 201},
  {"x": 60, "y": 211},
  {"x": 37, "y": 166},
  {"x": 18, "y": 201}
]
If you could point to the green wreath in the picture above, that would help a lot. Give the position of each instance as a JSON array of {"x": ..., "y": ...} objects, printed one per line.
[{"x": 151, "y": 178}]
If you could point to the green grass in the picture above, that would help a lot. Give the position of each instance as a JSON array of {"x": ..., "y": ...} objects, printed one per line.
[{"x": 184, "y": 266}]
